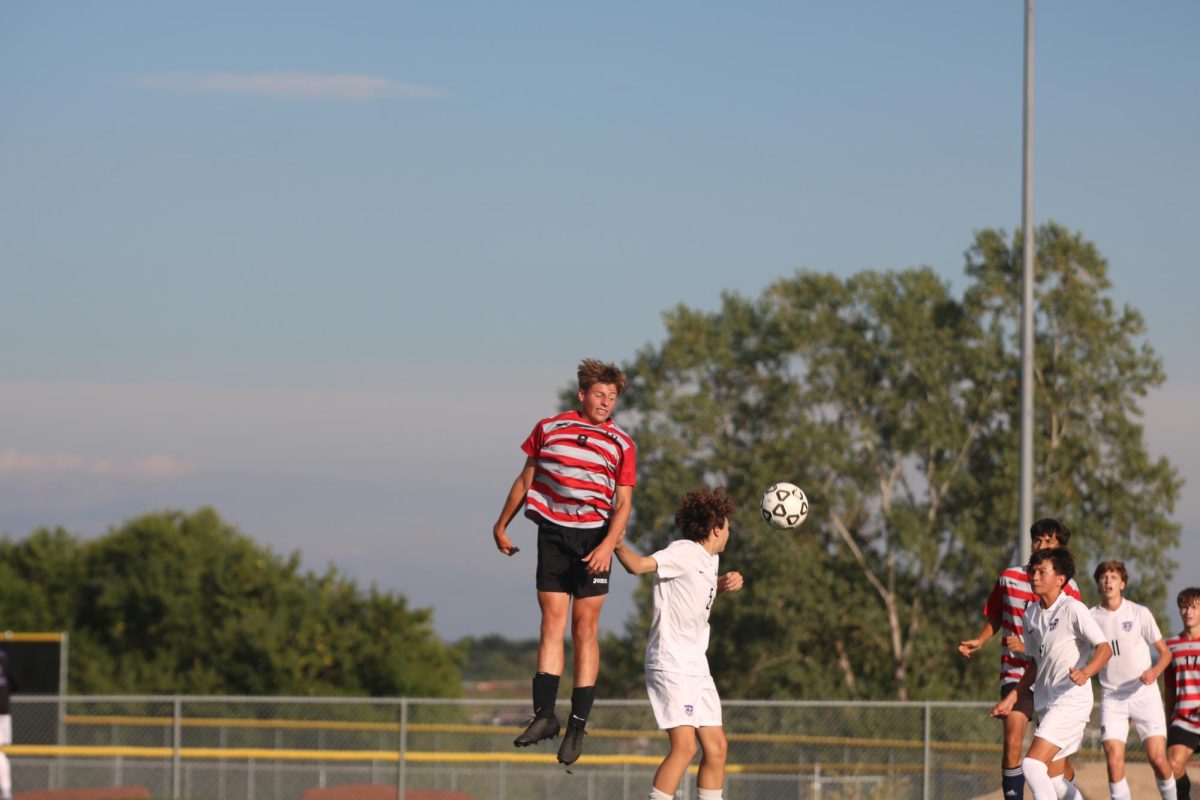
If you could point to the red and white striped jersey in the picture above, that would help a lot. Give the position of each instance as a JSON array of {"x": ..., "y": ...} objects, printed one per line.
[
  {"x": 1183, "y": 683},
  {"x": 1005, "y": 609},
  {"x": 579, "y": 467}
]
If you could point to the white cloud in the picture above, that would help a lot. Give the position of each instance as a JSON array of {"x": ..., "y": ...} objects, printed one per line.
[
  {"x": 287, "y": 84},
  {"x": 15, "y": 462}
]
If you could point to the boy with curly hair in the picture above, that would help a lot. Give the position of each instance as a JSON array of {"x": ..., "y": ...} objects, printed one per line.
[{"x": 682, "y": 693}]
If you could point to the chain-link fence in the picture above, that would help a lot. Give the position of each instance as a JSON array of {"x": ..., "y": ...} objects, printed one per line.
[{"x": 266, "y": 748}]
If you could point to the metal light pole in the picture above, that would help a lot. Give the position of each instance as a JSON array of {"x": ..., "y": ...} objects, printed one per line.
[{"x": 1027, "y": 420}]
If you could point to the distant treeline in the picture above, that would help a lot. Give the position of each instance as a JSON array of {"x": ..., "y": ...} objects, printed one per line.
[{"x": 175, "y": 602}]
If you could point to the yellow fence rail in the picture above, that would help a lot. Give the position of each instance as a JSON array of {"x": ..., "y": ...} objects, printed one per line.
[{"x": 493, "y": 730}]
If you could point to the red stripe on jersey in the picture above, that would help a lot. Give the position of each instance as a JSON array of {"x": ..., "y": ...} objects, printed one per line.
[
  {"x": 1183, "y": 683},
  {"x": 1005, "y": 608},
  {"x": 579, "y": 466}
]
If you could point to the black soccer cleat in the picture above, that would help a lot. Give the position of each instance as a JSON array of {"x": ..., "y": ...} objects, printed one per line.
[
  {"x": 572, "y": 743},
  {"x": 539, "y": 729}
]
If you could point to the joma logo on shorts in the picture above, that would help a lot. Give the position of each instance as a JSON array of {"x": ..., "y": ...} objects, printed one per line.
[{"x": 599, "y": 580}]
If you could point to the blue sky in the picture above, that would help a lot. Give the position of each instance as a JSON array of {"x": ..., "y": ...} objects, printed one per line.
[{"x": 322, "y": 265}]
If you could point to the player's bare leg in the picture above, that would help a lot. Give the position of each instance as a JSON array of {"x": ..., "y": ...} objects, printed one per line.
[
  {"x": 710, "y": 780},
  {"x": 1114, "y": 757},
  {"x": 671, "y": 770},
  {"x": 1177, "y": 756},
  {"x": 1014, "y": 739},
  {"x": 585, "y": 635},
  {"x": 544, "y": 725},
  {"x": 585, "y": 628},
  {"x": 1156, "y": 754}
]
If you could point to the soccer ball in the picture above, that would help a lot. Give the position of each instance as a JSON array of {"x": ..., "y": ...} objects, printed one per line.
[{"x": 784, "y": 505}]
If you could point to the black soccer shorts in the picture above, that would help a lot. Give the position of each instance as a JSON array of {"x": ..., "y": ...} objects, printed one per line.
[
  {"x": 1177, "y": 735},
  {"x": 1024, "y": 704},
  {"x": 560, "y": 567}
]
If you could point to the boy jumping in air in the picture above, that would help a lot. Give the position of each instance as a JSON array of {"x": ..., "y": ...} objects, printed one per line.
[
  {"x": 681, "y": 688},
  {"x": 577, "y": 485}
]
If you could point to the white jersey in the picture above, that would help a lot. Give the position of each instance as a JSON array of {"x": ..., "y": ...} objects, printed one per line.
[
  {"x": 685, "y": 585},
  {"x": 1060, "y": 638},
  {"x": 1131, "y": 630}
]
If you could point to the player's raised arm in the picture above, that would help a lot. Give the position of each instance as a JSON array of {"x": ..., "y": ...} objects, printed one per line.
[{"x": 633, "y": 563}]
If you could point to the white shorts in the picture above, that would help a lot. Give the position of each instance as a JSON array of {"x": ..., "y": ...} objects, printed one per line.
[
  {"x": 5, "y": 729},
  {"x": 1064, "y": 721},
  {"x": 1143, "y": 708},
  {"x": 683, "y": 700}
]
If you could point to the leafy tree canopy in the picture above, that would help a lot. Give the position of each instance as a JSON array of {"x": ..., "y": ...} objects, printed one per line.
[
  {"x": 174, "y": 602},
  {"x": 895, "y": 404}
]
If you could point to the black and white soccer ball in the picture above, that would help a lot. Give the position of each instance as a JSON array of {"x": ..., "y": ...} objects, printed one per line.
[{"x": 784, "y": 505}]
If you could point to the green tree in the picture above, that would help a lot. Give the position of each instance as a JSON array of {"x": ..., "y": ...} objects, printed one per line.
[
  {"x": 1092, "y": 369},
  {"x": 892, "y": 403},
  {"x": 173, "y": 602}
]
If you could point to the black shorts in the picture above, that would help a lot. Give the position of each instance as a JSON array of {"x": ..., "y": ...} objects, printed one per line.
[
  {"x": 1177, "y": 735},
  {"x": 560, "y": 566},
  {"x": 1024, "y": 700}
]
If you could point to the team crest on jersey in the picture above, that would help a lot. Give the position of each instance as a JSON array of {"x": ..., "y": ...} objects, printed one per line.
[
  {"x": 1053, "y": 623},
  {"x": 688, "y": 709},
  {"x": 1127, "y": 626},
  {"x": 581, "y": 439}
]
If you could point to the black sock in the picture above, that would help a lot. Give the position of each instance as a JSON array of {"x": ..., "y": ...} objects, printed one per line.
[
  {"x": 581, "y": 702},
  {"x": 1183, "y": 786},
  {"x": 1012, "y": 782},
  {"x": 545, "y": 694}
]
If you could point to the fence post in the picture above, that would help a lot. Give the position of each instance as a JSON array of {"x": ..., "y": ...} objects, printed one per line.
[
  {"x": 402, "y": 766},
  {"x": 925, "y": 785},
  {"x": 177, "y": 744}
]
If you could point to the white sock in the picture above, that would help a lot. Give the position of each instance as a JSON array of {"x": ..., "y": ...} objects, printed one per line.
[
  {"x": 709, "y": 794},
  {"x": 1166, "y": 787},
  {"x": 655, "y": 794},
  {"x": 1119, "y": 790},
  {"x": 1064, "y": 789},
  {"x": 1037, "y": 778}
]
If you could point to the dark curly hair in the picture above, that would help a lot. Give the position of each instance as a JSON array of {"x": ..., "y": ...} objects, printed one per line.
[{"x": 702, "y": 511}]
